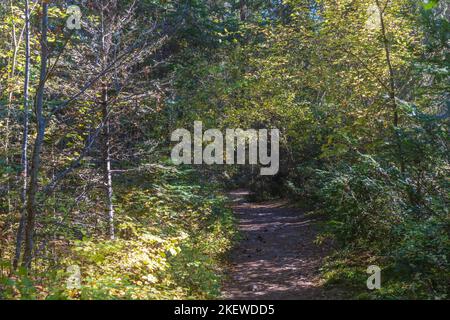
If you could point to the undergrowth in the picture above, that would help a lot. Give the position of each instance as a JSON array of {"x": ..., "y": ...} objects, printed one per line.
[{"x": 172, "y": 233}]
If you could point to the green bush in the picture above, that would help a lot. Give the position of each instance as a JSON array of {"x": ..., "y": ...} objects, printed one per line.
[{"x": 375, "y": 212}]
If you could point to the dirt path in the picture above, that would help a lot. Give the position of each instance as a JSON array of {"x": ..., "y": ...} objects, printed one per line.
[{"x": 276, "y": 257}]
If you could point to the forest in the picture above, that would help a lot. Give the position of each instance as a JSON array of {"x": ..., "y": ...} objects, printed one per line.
[{"x": 353, "y": 96}]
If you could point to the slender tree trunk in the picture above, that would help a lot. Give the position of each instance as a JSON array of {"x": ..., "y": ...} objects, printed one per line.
[
  {"x": 14, "y": 44},
  {"x": 392, "y": 91},
  {"x": 38, "y": 142},
  {"x": 106, "y": 149},
  {"x": 242, "y": 10},
  {"x": 24, "y": 159},
  {"x": 107, "y": 163}
]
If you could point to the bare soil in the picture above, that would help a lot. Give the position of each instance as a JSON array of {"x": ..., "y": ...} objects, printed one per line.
[{"x": 276, "y": 257}]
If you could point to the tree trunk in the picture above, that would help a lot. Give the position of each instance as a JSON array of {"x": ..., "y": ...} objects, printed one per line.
[
  {"x": 106, "y": 149},
  {"x": 389, "y": 65},
  {"x": 24, "y": 159},
  {"x": 36, "y": 157},
  {"x": 242, "y": 10},
  {"x": 107, "y": 163},
  {"x": 392, "y": 92}
]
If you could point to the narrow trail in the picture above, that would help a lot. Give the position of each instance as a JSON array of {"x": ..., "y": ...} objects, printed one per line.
[{"x": 276, "y": 257}]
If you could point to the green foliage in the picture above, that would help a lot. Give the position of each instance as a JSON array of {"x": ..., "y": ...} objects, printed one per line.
[
  {"x": 361, "y": 201},
  {"x": 174, "y": 236},
  {"x": 17, "y": 285},
  {"x": 321, "y": 74},
  {"x": 377, "y": 209},
  {"x": 172, "y": 239},
  {"x": 362, "y": 107},
  {"x": 430, "y": 4}
]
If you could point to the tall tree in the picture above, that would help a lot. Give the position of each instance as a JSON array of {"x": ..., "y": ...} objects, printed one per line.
[
  {"x": 24, "y": 158},
  {"x": 31, "y": 204}
]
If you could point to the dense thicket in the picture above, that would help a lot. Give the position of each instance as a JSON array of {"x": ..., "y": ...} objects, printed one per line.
[{"x": 359, "y": 90}]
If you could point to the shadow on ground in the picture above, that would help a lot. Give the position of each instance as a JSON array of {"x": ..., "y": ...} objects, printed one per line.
[{"x": 276, "y": 257}]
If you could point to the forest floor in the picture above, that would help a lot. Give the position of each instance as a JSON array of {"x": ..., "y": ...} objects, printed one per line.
[{"x": 276, "y": 257}]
